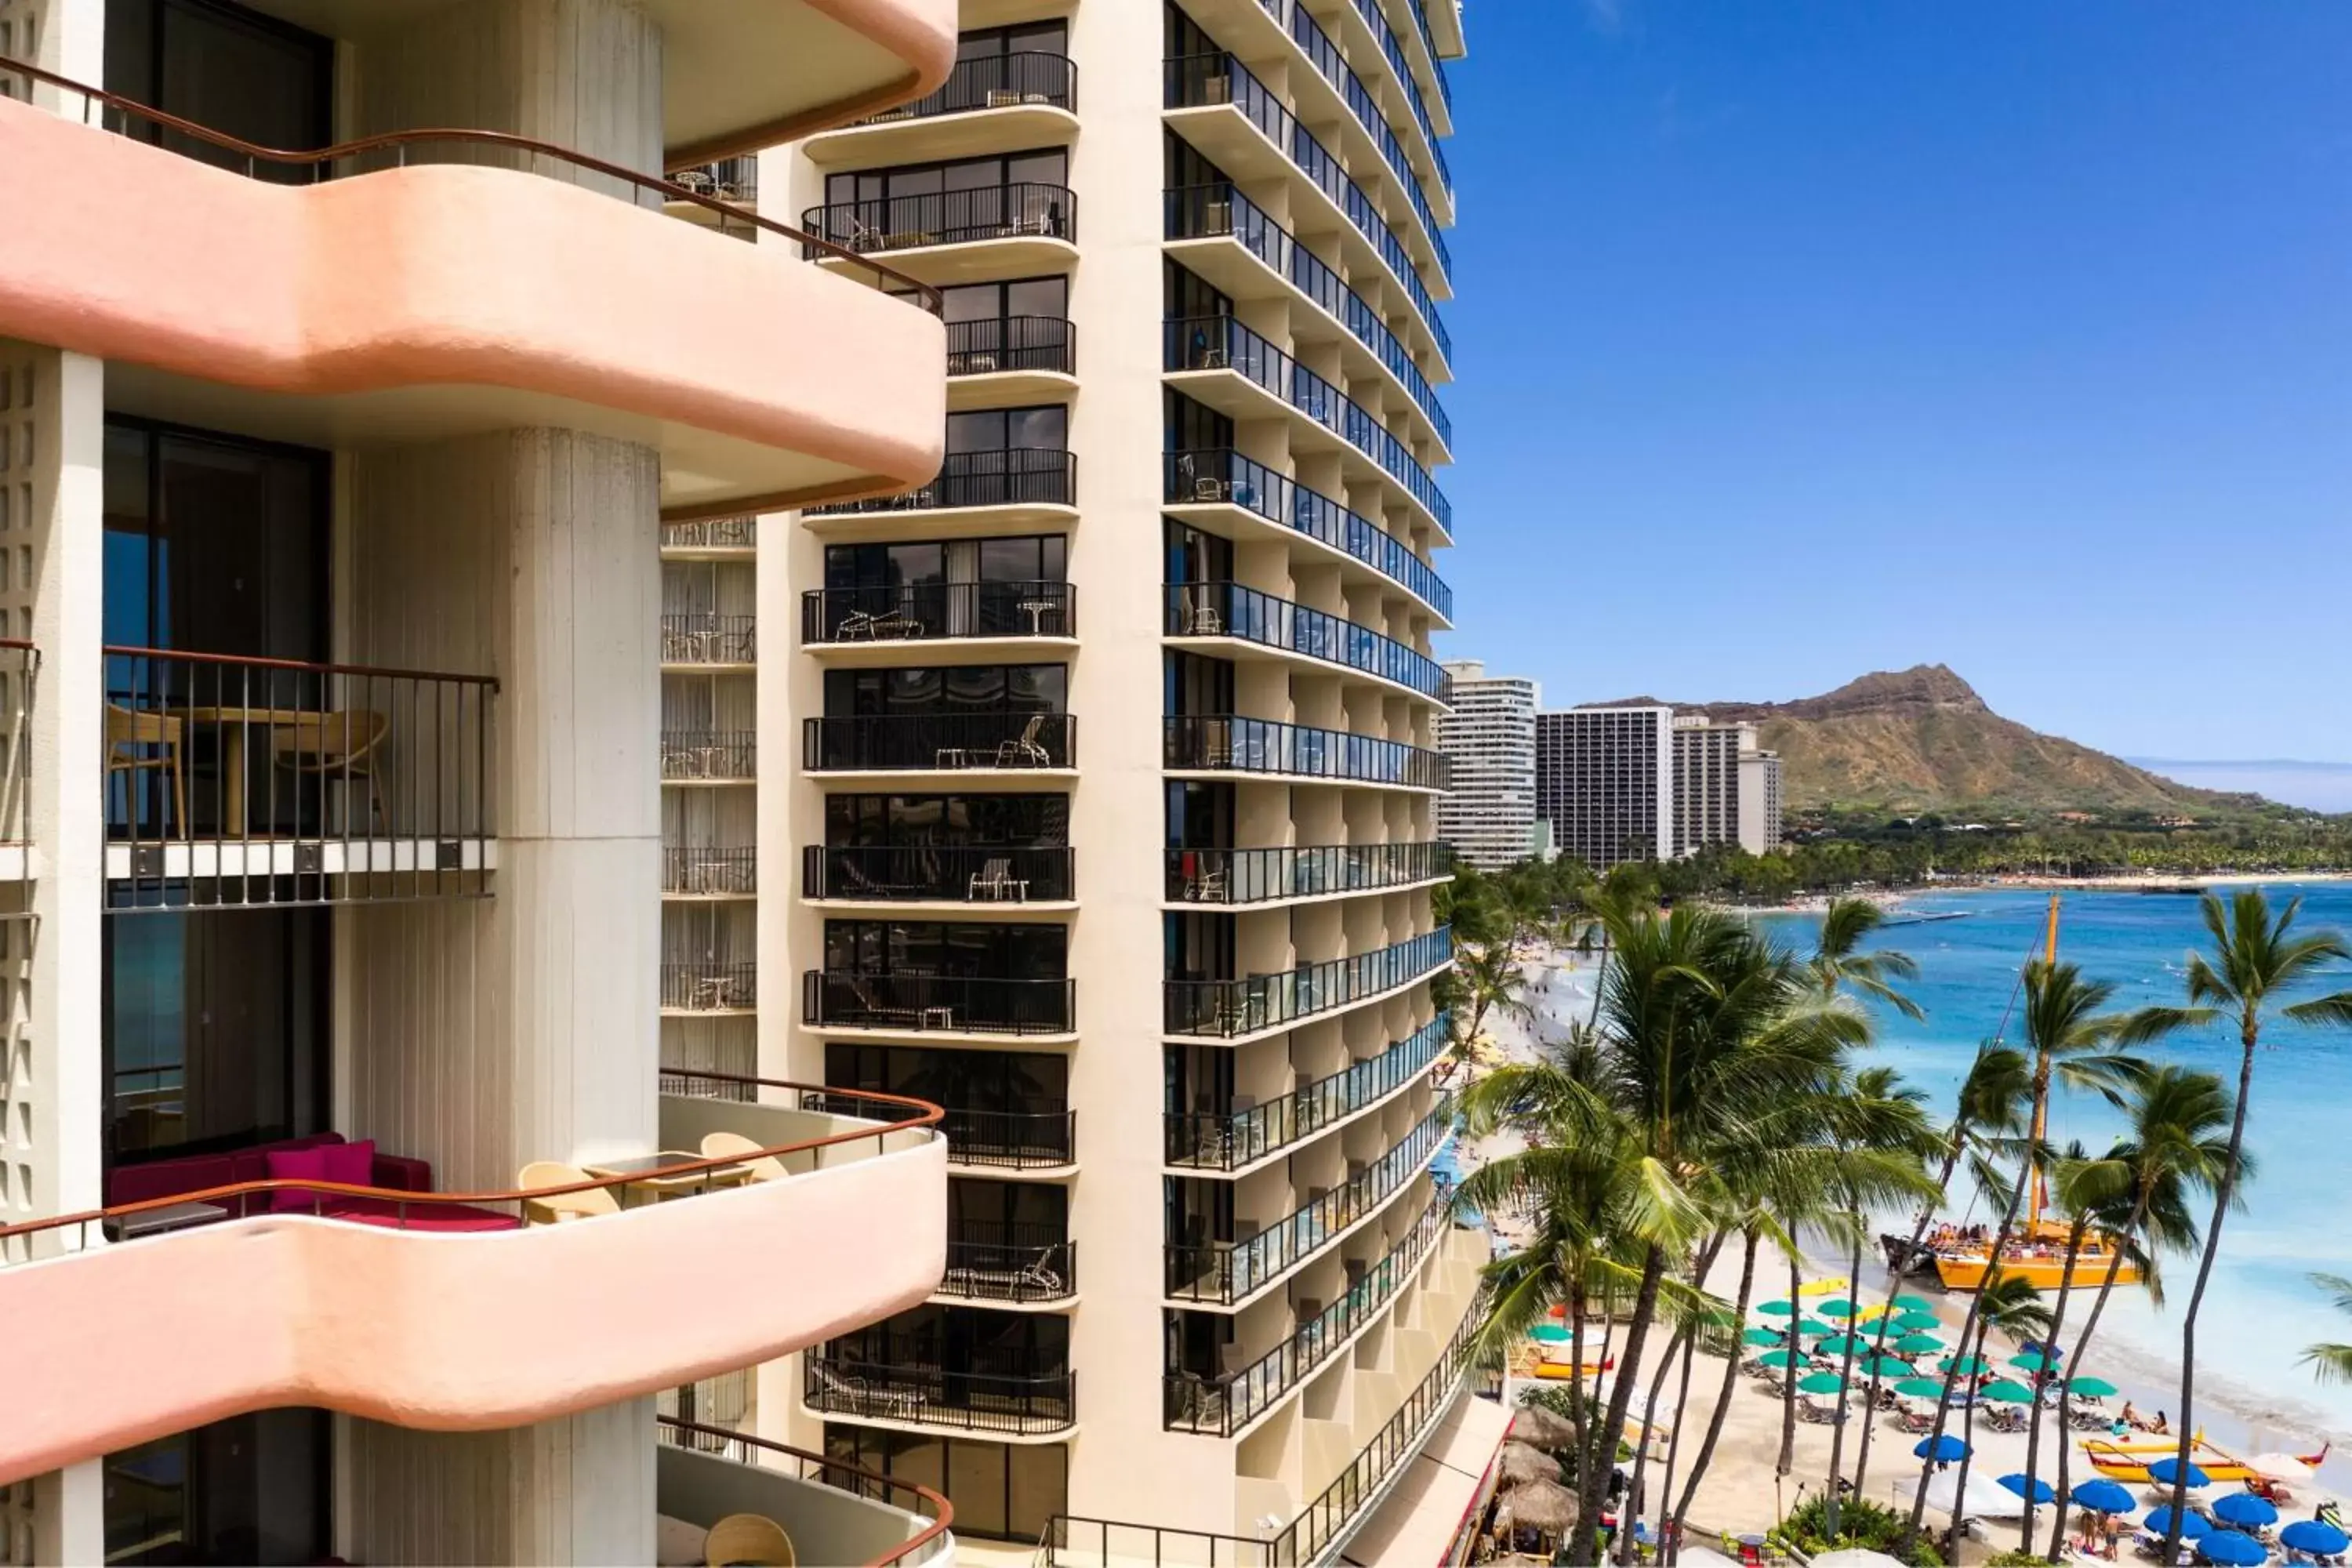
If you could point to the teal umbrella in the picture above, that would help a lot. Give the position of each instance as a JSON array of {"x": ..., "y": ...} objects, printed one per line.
[
  {"x": 1885, "y": 1366},
  {"x": 1762, "y": 1337},
  {"x": 1821, "y": 1383},
  {"x": 1918, "y": 1344},
  {"x": 2032, "y": 1361},
  {"x": 1778, "y": 1358},
  {"x": 1837, "y": 1307},
  {"x": 1550, "y": 1333},
  {"x": 1918, "y": 1322},
  {"x": 2008, "y": 1393},
  {"x": 1778, "y": 1309},
  {"x": 1809, "y": 1326},
  {"x": 1842, "y": 1344},
  {"x": 1965, "y": 1366},
  {"x": 1920, "y": 1388},
  {"x": 1911, "y": 1304},
  {"x": 2093, "y": 1388}
]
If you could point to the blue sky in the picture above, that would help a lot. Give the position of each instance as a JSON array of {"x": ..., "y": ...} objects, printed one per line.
[{"x": 1799, "y": 339}]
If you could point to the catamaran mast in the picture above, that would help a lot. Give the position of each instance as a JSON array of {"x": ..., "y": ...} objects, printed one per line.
[{"x": 2042, "y": 1082}]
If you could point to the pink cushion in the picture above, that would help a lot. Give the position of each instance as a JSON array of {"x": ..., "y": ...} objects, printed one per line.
[
  {"x": 352, "y": 1164},
  {"x": 296, "y": 1165}
]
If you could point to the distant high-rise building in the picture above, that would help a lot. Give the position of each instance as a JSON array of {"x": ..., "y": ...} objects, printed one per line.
[
  {"x": 1605, "y": 780},
  {"x": 1759, "y": 800},
  {"x": 1489, "y": 739},
  {"x": 1707, "y": 781}
]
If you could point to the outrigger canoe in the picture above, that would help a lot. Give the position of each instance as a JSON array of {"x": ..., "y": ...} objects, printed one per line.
[{"x": 2128, "y": 1459}]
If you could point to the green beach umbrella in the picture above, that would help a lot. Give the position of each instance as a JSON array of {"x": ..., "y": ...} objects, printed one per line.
[
  {"x": 1918, "y": 1322},
  {"x": 1837, "y": 1308},
  {"x": 1778, "y": 1358},
  {"x": 1549, "y": 1333},
  {"x": 1886, "y": 1366},
  {"x": 1842, "y": 1344},
  {"x": 1920, "y": 1388},
  {"x": 1761, "y": 1337},
  {"x": 1778, "y": 1309},
  {"x": 2032, "y": 1361},
  {"x": 1911, "y": 1304},
  {"x": 1965, "y": 1366},
  {"x": 2009, "y": 1393},
  {"x": 1809, "y": 1326},
  {"x": 1918, "y": 1344},
  {"x": 2093, "y": 1388},
  {"x": 1821, "y": 1383}
]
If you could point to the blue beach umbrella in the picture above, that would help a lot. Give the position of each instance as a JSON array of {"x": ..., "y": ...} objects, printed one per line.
[
  {"x": 2102, "y": 1497},
  {"x": 2192, "y": 1525},
  {"x": 2315, "y": 1536},
  {"x": 1945, "y": 1448},
  {"x": 2233, "y": 1549},
  {"x": 2032, "y": 1489},
  {"x": 2245, "y": 1508},
  {"x": 2167, "y": 1470}
]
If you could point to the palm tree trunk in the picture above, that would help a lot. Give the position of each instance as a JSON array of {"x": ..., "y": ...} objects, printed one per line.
[
  {"x": 1789, "y": 1374},
  {"x": 1723, "y": 1395},
  {"x": 1627, "y": 1516},
  {"x": 1967, "y": 1327},
  {"x": 2222, "y": 1192},
  {"x": 1670, "y": 1535},
  {"x": 2033, "y": 1431},
  {"x": 1894, "y": 1284},
  {"x": 2081, "y": 1346},
  {"x": 1968, "y": 1443},
  {"x": 1578, "y": 1408},
  {"x": 1846, "y": 1376},
  {"x": 1621, "y": 1398}
]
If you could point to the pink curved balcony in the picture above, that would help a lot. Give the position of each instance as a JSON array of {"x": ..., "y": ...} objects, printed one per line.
[
  {"x": 466, "y": 1320},
  {"x": 739, "y": 75},
  {"x": 436, "y": 300}
]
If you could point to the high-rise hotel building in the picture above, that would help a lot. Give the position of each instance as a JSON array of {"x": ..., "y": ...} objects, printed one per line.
[
  {"x": 368, "y": 1173},
  {"x": 1115, "y": 786},
  {"x": 1488, "y": 737}
]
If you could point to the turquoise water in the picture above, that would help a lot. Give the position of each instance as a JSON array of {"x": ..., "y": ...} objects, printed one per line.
[{"x": 2260, "y": 1309}]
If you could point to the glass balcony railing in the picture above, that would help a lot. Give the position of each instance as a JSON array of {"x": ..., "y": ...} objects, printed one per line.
[
  {"x": 1223, "y": 744},
  {"x": 1229, "y": 1271},
  {"x": 906, "y": 1382},
  {"x": 1230, "y": 1140},
  {"x": 1221, "y": 343},
  {"x": 939, "y": 743},
  {"x": 1022, "y": 209},
  {"x": 1221, "y": 1009},
  {"x": 1301, "y": 871},
  {"x": 1219, "y": 475},
  {"x": 709, "y": 872},
  {"x": 709, "y": 639},
  {"x": 1016, "y": 476},
  {"x": 923, "y": 611},
  {"x": 1221, "y": 212},
  {"x": 1002, "y": 1261},
  {"x": 993, "y": 344},
  {"x": 995, "y": 81},
  {"x": 938, "y": 1004},
  {"x": 1231, "y": 610},
  {"x": 1332, "y": 67},
  {"x": 939, "y": 873},
  {"x": 1393, "y": 51}
]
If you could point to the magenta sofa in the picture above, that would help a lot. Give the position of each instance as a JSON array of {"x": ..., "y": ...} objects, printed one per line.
[{"x": 196, "y": 1172}]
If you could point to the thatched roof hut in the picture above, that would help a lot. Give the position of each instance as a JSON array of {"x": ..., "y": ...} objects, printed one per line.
[
  {"x": 1520, "y": 1463},
  {"x": 1543, "y": 1428},
  {"x": 1539, "y": 1505}
]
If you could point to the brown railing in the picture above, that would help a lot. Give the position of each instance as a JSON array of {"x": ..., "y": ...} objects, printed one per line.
[
  {"x": 724, "y": 1086},
  {"x": 20, "y": 665},
  {"x": 726, "y": 1444},
  {"x": 318, "y": 164},
  {"x": 237, "y": 781}
]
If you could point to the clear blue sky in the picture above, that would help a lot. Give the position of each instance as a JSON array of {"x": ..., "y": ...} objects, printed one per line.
[{"x": 1802, "y": 339}]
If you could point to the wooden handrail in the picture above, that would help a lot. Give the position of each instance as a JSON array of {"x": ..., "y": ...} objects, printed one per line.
[
  {"x": 669, "y": 190},
  {"x": 942, "y": 1511},
  {"x": 930, "y": 1117},
  {"x": 113, "y": 650}
]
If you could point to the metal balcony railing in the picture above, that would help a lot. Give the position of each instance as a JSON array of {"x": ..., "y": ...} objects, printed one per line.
[
  {"x": 1232, "y": 610},
  {"x": 937, "y": 1003},
  {"x": 1221, "y": 1009},
  {"x": 1370, "y": 10},
  {"x": 1222, "y": 1405},
  {"x": 996, "y": 344},
  {"x": 702, "y": 755},
  {"x": 1022, "y": 209},
  {"x": 956, "y": 873},
  {"x": 940, "y": 743},
  {"x": 1012, "y": 1140},
  {"x": 1332, "y": 67},
  {"x": 767, "y": 1463},
  {"x": 1230, "y": 1140},
  {"x": 709, "y": 986},
  {"x": 705, "y": 873},
  {"x": 728, "y": 179},
  {"x": 1301, "y": 871},
  {"x": 711, "y": 533},
  {"x": 995, "y": 81},
  {"x": 892, "y": 1389},
  {"x": 1013, "y": 476},
  {"x": 1229, "y": 1271},
  {"x": 1212, "y": 475},
  {"x": 922, "y": 611},
  {"x": 1230, "y": 743},
  {"x": 709, "y": 639},
  {"x": 1019, "y": 1263},
  {"x": 262, "y": 781}
]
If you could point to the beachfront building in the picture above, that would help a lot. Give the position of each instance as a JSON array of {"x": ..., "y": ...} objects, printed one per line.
[
  {"x": 1759, "y": 800},
  {"x": 1488, "y": 739},
  {"x": 1605, "y": 781},
  {"x": 345, "y": 687},
  {"x": 1139, "y": 690}
]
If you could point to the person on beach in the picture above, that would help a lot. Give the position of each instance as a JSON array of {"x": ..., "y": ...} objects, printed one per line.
[
  {"x": 2160, "y": 1426},
  {"x": 2132, "y": 1419}
]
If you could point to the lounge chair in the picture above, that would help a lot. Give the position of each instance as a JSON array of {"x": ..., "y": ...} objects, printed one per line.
[
  {"x": 995, "y": 879},
  {"x": 1025, "y": 750},
  {"x": 866, "y": 1398}
]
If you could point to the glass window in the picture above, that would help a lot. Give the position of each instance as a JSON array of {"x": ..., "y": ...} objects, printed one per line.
[
  {"x": 227, "y": 69},
  {"x": 252, "y": 1489}
]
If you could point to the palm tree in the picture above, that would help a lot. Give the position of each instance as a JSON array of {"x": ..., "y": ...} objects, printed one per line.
[
  {"x": 2257, "y": 960},
  {"x": 2139, "y": 1194},
  {"x": 1485, "y": 978},
  {"x": 2011, "y": 1304},
  {"x": 1839, "y": 962},
  {"x": 2081, "y": 1188},
  {"x": 2331, "y": 1362}
]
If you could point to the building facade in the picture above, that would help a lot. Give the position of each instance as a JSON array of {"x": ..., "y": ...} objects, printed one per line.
[
  {"x": 1759, "y": 800},
  {"x": 1489, "y": 739},
  {"x": 374, "y": 909},
  {"x": 1605, "y": 780},
  {"x": 1707, "y": 781},
  {"x": 1138, "y": 694}
]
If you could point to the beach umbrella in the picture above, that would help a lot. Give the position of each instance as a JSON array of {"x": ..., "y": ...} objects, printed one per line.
[
  {"x": 2167, "y": 1470},
  {"x": 2033, "y": 1488},
  {"x": 1519, "y": 1464},
  {"x": 2192, "y": 1525},
  {"x": 1965, "y": 1366},
  {"x": 1883, "y": 1366},
  {"x": 1763, "y": 1337},
  {"x": 1946, "y": 1448},
  {"x": 1539, "y": 1505},
  {"x": 1838, "y": 1306},
  {"x": 1821, "y": 1383},
  {"x": 1841, "y": 1343},
  {"x": 2102, "y": 1496},
  {"x": 1920, "y": 1388},
  {"x": 2092, "y": 1387},
  {"x": 1549, "y": 1333},
  {"x": 2033, "y": 1360},
  {"x": 2008, "y": 1393},
  {"x": 2315, "y": 1536},
  {"x": 2233, "y": 1549},
  {"x": 1779, "y": 1358},
  {"x": 2279, "y": 1466},
  {"x": 1778, "y": 1309},
  {"x": 1917, "y": 1323},
  {"x": 1812, "y": 1327},
  {"x": 1984, "y": 1500},
  {"x": 1911, "y": 1304},
  {"x": 2244, "y": 1508},
  {"x": 1917, "y": 1345}
]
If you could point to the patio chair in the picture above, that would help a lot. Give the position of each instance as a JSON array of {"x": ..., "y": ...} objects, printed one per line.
[
  {"x": 996, "y": 879},
  {"x": 337, "y": 747},
  {"x": 138, "y": 741},
  {"x": 1198, "y": 615},
  {"x": 751, "y": 1539},
  {"x": 558, "y": 1208},
  {"x": 736, "y": 1147},
  {"x": 1040, "y": 1281},
  {"x": 868, "y": 1398},
  {"x": 1025, "y": 750}
]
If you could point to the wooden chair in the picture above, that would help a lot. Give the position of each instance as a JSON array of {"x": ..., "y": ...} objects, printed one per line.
[
  {"x": 339, "y": 746},
  {"x": 751, "y": 1539},
  {"x": 561, "y": 1206},
  {"x": 130, "y": 733},
  {"x": 731, "y": 1145}
]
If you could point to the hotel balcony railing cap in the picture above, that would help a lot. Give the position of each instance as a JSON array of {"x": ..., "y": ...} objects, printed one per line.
[{"x": 397, "y": 143}]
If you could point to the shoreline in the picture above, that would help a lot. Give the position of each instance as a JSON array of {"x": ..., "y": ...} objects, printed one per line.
[{"x": 2153, "y": 883}]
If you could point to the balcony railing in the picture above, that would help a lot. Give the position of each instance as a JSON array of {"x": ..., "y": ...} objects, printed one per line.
[
  {"x": 1216, "y": 81},
  {"x": 996, "y": 344},
  {"x": 921, "y": 611},
  {"x": 708, "y": 985},
  {"x": 259, "y": 780},
  {"x": 1370, "y": 10},
  {"x": 1332, "y": 67},
  {"x": 1022, "y": 209},
  {"x": 1221, "y": 212},
  {"x": 995, "y": 81},
  {"x": 1221, "y": 343},
  {"x": 733, "y": 180},
  {"x": 930, "y": 1396},
  {"x": 1011, "y": 1139},
  {"x": 1228, "y": 743},
  {"x": 710, "y": 872},
  {"x": 937, "y": 1003},
  {"x": 1016, "y": 476},
  {"x": 701, "y": 755},
  {"x": 1232, "y": 610},
  {"x": 1000, "y": 1262},
  {"x": 1234, "y": 1139},
  {"x": 1301, "y": 871},
  {"x": 704, "y": 1473},
  {"x": 940, "y": 742},
  {"x": 711, "y": 533},
  {"x": 1224, "y": 1008},
  {"x": 709, "y": 639},
  {"x": 1229, "y": 1271},
  {"x": 1218, "y": 475},
  {"x": 20, "y": 665},
  {"x": 952, "y": 873},
  {"x": 1222, "y": 1406}
]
